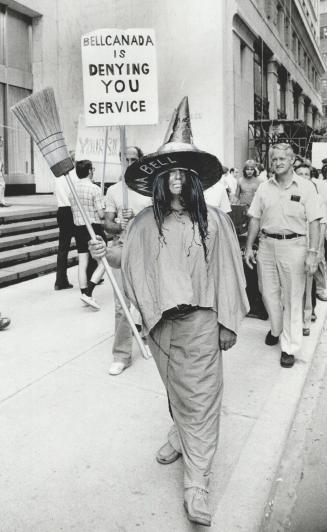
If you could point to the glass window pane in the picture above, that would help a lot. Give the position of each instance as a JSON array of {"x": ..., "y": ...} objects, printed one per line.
[
  {"x": 1, "y": 37},
  {"x": 19, "y": 142},
  {"x": 18, "y": 41},
  {"x": 1, "y": 123}
]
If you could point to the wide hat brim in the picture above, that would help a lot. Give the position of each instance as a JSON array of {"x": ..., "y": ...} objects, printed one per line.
[{"x": 142, "y": 173}]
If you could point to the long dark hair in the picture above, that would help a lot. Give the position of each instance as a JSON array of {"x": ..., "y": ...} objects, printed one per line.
[{"x": 192, "y": 200}]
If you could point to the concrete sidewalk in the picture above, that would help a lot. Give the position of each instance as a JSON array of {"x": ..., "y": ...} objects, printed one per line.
[{"x": 77, "y": 446}]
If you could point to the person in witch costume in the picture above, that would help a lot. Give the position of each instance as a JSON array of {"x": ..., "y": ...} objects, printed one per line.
[{"x": 182, "y": 269}]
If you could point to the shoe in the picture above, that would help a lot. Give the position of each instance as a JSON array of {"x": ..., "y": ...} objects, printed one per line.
[
  {"x": 322, "y": 296},
  {"x": 313, "y": 317},
  {"x": 118, "y": 367},
  {"x": 306, "y": 331},
  {"x": 286, "y": 360},
  {"x": 4, "y": 323},
  {"x": 90, "y": 301},
  {"x": 5, "y": 205},
  {"x": 63, "y": 286},
  {"x": 271, "y": 339},
  {"x": 167, "y": 454},
  {"x": 196, "y": 506}
]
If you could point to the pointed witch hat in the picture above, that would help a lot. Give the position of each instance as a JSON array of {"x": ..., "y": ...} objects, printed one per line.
[{"x": 177, "y": 152}]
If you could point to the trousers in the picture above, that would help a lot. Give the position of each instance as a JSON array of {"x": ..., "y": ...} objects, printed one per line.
[
  {"x": 282, "y": 278},
  {"x": 186, "y": 352},
  {"x": 122, "y": 346},
  {"x": 66, "y": 233}
]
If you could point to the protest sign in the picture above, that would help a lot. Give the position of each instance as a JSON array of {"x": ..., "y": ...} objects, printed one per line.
[
  {"x": 319, "y": 152},
  {"x": 90, "y": 144},
  {"x": 120, "y": 77}
]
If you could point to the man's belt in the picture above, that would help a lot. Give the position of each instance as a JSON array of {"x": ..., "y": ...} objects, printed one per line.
[
  {"x": 179, "y": 311},
  {"x": 278, "y": 236}
]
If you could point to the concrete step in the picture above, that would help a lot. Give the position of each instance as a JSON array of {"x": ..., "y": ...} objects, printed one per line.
[
  {"x": 14, "y": 241},
  {"x": 33, "y": 268},
  {"x": 17, "y": 228},
  {"x": 27, "y": 214},
  {"x": 14, "y": 256}
]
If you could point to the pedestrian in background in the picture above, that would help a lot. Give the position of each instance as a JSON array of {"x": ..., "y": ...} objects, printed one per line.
[
  {"x": 285, "y": 211},
  {"x": 229, "y": 179},
  {"x": 66, "y": 229},
  {"x": 248, "y": 184},
  {"x": 91, "y": 198},
  {"x": 217, "y": 196},
  {"x": 309, "y": 301},
  {"x": 116, "y": 220}
]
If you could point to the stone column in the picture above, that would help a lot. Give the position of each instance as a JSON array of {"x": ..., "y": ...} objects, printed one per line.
[
  {"x": 289, "y": 98},
  {"x": 317, "y": 121},
  {"x": 309, "y": 119},
  {"x": 272, "y": 76},
  {"x": 301, "y": 107}
]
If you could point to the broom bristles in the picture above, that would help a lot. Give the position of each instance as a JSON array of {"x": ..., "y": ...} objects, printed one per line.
[{"x": 39, "y": 115}]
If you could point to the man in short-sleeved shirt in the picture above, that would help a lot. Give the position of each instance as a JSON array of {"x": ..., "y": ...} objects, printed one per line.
[
  {"x": 284, "y": 209},
  {"x": 91, "y": 199},
  {"x": 217, "y": 197},
  {"x": 115, "y": 223}
]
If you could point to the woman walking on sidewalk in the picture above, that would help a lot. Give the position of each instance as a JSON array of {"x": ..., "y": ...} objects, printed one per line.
[{"x": 182, "y": 269}]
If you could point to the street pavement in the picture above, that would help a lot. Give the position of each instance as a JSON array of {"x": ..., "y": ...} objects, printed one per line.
[
  {"x": 297, "y": 502},
  {"x": 78, "y": 446}
]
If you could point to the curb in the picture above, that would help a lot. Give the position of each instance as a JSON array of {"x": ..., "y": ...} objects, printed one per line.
[{"x": 243, "y": 504}]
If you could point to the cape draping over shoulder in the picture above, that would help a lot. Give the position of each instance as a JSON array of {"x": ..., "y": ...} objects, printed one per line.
[
  {"x": 140, "y": 270},
  {"x": 232, "y": 301}
]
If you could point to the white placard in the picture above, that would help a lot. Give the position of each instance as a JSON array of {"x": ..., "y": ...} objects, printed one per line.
[
  {"x": 319, "y": 152},
  {"x": 90, "y": 144},
  {"x": 120, "y": 77}
]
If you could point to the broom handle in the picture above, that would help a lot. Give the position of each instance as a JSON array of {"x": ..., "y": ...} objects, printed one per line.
[{"x": 107, "y": 268}]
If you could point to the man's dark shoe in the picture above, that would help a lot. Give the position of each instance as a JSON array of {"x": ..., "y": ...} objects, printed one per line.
[
  {"x": 322, "y": 296},
  {"x": 286, "y": 360},
  {"x": 271, "y": 339},
  {"x": 4, "y": 323},
  {"x": 63, "y": 286}
]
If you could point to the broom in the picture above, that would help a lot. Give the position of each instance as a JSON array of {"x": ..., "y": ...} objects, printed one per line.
[{"x": 38, "y": 114}]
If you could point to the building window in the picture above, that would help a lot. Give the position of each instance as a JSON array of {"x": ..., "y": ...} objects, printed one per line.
[
  {"x": 15, "y": 84},
  {"x": 281, "y": 88},
  {"x": 324, "y": 56},
  {"x": 323, "y": 32},
  {"x": 323, "y": 89},
  {"x": 280, "y": 21},
  {"x": 294, "y": 45},
  {"x": 296, "y": 106},
  {"x": 299, "y": 53},
  {"x": 261, "y": 105}
]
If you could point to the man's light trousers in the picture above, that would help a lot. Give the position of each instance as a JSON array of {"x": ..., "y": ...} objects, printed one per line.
[{"x": 282, "y": 278}]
